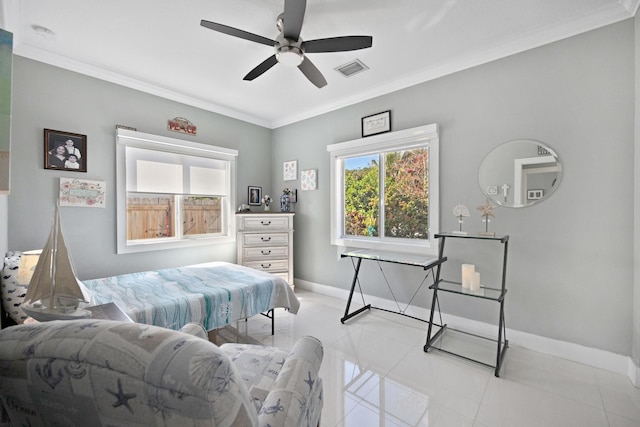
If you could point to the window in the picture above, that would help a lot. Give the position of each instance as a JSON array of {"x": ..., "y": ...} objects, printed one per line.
[
  {"x": 385, "y": 191},
  {"x": 172, "y": 193}
]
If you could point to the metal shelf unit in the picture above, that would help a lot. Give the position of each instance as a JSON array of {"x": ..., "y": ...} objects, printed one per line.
[{"x": 486, "y": 293}]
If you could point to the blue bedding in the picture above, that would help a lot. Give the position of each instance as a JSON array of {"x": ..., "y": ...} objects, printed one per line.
[{"x": 212, "y": 294}]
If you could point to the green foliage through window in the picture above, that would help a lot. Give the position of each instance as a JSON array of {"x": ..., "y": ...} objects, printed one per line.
[
  {"x": 361, "y": 198},
  {"x": 406, "y": 194}
]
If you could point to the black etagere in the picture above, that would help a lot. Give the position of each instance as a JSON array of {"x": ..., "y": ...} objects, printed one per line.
[{"x": 496, "y": 294}]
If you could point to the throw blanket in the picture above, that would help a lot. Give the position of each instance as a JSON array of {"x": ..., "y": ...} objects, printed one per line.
[{"x": 212, "y": 294}]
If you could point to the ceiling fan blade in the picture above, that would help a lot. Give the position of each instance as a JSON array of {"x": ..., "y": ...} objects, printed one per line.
[
  {"x": 338, "y": 44},
  {"x": 313, "y": 74},
  {"x": 237, "y": 33},
  {"x": 260, "y": 69},
  {"x": 293, "y": 17}
]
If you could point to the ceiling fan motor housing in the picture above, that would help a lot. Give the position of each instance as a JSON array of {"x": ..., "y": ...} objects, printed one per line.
[{"x": 289, "y": 52}]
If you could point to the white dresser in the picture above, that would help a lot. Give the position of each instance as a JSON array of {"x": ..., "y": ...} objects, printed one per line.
[{"x": 265, "y": 242}]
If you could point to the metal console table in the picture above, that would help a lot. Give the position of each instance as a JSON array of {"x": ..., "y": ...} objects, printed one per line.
[
  {"x": 486, "y": 293},
  {"x": 427, "y": 263}
]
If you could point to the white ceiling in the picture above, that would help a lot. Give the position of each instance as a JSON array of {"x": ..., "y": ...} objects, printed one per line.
[{"x": 158, "y": 46}]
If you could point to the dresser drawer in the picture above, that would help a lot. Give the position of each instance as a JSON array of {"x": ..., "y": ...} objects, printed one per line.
[
  {"x": 264, "y": 239},
  {"x": 264, "y": 223},
  {"x": 267, "y": 252},
  {"x": 269, "y": 265}
]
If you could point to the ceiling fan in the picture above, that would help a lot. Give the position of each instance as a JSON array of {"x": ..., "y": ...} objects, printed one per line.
[{"x": 290, "y": 49}]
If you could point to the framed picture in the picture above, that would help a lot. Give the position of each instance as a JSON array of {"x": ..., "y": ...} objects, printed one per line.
[
  {"x": 290, "y": 170},
  {"x": 65, "y": 151},
  {"x": 535, "y": 194},
  {"x": 492, "y": 190},
  {"x": 82, "y": 193},
  {"x": 254, "y": 196},
  {"x": 309, "y": 179},
  {"x": 376, "y": 123}
]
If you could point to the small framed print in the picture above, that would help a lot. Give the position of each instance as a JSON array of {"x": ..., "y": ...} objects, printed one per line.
[
  {"x": 542, "y": 151},
  {"x": 309, "y": 179},
  {"x": 82, "y": 193},
  {"x": 376, "y": 123},
  {"x": 65, "y": 151},
  {"x": 254, "y": 196},
  {"x": 535, "y": 194},
  {"x": 290, "y": 170}
]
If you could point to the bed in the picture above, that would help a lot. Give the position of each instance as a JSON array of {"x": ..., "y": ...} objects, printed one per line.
[{"x": 213, "y": 294}]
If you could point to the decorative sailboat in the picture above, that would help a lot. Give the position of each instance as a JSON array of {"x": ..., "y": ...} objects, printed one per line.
[{"x": 54, "y": 292}]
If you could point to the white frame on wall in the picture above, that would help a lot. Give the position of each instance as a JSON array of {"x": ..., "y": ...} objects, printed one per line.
[{"x": 290, "y": 170}]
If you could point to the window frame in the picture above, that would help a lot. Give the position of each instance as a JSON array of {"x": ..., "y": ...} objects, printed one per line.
[
  {"x": 128, "y": 138},
  {"x": 406, "y": 139}
]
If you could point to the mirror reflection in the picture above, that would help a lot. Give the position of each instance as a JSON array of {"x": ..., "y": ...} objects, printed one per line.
[{"x": 520, "y": 173}]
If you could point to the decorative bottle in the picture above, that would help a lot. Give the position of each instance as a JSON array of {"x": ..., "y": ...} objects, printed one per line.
[{"x": 285, "y": 205}]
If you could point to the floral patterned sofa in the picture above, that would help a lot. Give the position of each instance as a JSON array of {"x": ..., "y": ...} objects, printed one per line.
[{"x": 105, "y": 373}]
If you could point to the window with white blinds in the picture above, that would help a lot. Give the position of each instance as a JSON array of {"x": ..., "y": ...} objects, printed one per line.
[{"x": 172, "y": 193}]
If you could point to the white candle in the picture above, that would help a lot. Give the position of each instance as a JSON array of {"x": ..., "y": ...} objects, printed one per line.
[
  {"x": 475, "y": 281},
  {"x": 467, "y": 273}
]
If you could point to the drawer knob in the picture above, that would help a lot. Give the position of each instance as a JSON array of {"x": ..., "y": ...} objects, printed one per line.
[
  {"x": 266, "y": 266},
  {"x": 265, "y": 239},
  {"x": 266, "y": 252},
  {"x": 265, "y": 222}
]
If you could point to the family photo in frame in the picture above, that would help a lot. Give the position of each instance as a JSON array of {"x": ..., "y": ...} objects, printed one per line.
[{"x": 65, "y": 151}]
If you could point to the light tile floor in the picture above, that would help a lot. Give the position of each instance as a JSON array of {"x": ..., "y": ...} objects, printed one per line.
[{"x": 376, "y": 373}]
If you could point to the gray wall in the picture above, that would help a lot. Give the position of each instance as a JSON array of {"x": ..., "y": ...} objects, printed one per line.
[
  {"x": 49, "y": 97},
  {"x": 570, "y": 264},
  {"x": 570, "y": 260}
]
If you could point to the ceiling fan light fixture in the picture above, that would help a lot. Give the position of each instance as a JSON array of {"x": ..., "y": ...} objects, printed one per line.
[{"x": 289, "y": 55}]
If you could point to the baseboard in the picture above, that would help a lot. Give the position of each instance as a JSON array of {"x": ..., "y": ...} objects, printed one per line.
[
  {"x": 575, "y": 352},
  {"x": 634, "y": 373}
]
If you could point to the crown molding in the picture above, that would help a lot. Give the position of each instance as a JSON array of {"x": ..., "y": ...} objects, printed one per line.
[
  {"x": 10, "y": 19},
  {"x": 531, "y": 41},
  {"x": 59, "y": 61},
  {"x": 630, "y": 5},
  {"x": 10, "y": 13}
]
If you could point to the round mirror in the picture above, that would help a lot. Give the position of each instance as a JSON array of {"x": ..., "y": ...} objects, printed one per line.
[{"x": 520, "y": 173}]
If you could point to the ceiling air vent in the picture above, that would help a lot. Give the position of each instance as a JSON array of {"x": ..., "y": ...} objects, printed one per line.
[{"x": 351, "y": 68}]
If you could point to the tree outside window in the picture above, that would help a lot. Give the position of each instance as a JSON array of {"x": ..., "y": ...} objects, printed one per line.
[
  {"x": 384, "y": 191},
  {"x": 406, "y": 194}
]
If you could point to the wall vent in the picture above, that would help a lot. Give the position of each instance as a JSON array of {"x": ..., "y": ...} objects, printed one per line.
[{"x": 354, "y": 67}]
